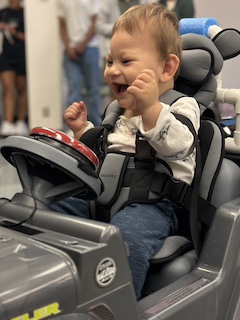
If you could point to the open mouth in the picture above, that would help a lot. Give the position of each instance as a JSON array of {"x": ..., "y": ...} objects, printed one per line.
[{"x": 121, "y": 87}]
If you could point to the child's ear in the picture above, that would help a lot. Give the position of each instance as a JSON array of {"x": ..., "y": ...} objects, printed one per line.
[{"x": 170, "y": 68}]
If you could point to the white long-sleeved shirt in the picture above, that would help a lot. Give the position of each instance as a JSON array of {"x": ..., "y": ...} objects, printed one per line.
[
  {"x": 170, "y": 138},
  {"x": 77, "y": 15},
  {"x": 108, "y": 15}
]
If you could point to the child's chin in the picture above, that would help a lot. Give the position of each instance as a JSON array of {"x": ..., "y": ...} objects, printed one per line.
[
  {"x": 124, "y": 106},
  {"x": 126, "y": 103}
]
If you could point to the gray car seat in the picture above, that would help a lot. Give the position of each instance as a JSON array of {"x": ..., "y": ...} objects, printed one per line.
[{"x": 202, "y": 61}]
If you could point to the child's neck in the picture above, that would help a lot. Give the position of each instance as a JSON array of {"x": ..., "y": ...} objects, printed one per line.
[
  {"x": 167, "y": 86},
  {"x": 129, "y": 114}
]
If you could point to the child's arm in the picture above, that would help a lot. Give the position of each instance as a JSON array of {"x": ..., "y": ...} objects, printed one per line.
[
  {"x": 171, "y": 139},
  {"x": 75, "y": 118},
  {"x": 168, "y": 136}
]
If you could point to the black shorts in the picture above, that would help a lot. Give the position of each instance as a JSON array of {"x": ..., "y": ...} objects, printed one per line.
[{"x": 16, "y": 65}]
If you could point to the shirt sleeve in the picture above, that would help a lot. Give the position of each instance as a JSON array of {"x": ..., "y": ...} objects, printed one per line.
[
  {"x": 60, "y": 11},
  {"x": 95, "y": 7},
  {"x": 107, "y": 17},
  {"x": 170, "y": 138}
]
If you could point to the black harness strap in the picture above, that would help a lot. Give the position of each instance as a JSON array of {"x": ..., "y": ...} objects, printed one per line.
[
  {"x": 144, "y": 151},
  {"x": 96, "y": 140},
  {"x": 142, "y": 174},
  {"x": 194, "y": 209}
]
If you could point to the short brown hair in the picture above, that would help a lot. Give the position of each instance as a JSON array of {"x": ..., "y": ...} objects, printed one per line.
[{"x": 162, "y": 24}]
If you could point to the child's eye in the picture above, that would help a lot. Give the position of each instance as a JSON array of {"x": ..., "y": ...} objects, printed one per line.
[
  {"x": 126, "y": 61},
  {"x": 109, "y": 63}
]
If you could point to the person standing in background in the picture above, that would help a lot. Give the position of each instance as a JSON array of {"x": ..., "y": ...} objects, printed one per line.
[
  {"x": 108, "y": 15},
  {"x": 13, "y": 69},
  {"x": 126, "y": 4},
  {"x": 148, "y": 1},
  {"x": 81, "y": 57},
  {"x": 182, "y": 8}
]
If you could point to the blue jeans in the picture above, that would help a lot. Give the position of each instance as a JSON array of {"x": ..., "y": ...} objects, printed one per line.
[
  {"x": 85, "y": 71},
  {"x": 144, "y": 228}
]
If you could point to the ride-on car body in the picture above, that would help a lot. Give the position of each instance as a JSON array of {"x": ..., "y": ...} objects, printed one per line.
[{"x": 57, "y": 266}]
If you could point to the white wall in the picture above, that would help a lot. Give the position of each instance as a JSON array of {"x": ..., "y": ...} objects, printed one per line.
[
  {"x": 227, "y": 13},
  {"x": 43, "y": 53},
  {"x": 3, "y": 3}
]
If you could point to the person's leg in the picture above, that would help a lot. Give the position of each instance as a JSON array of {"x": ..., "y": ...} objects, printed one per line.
[
  {"x": 8, "y": 80},
  {"x": 91, "y": 72},
  {"x": 22, "y": 97},
  {"x": 73, "y": 206},
  {"x": 21, "y": 125},
  {"x": 21, "y": 83},
  {"x": 74, "y": 80},
  {"x": 144, "y": 228}
]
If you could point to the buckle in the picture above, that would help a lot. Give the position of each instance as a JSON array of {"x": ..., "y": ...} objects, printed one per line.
[
  {"x": 144, "y": 151},
  {"x": 176, "y": 191}
]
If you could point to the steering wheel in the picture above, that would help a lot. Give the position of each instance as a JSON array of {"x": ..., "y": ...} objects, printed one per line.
[{"x": 52, "y": 165}]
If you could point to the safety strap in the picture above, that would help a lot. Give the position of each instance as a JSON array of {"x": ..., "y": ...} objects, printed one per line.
[
  {"x": 194, "y": 208},
  {"x": 96, "y": 140},
  {"x": 201, "y": 209}
]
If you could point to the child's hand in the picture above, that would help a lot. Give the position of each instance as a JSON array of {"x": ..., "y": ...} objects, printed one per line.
[
  {"x": 75, "y": 118},
  {"x": 145, "y": 90}
]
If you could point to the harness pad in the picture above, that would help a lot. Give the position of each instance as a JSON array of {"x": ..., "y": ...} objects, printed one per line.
[{"x": 111, "y": 171}]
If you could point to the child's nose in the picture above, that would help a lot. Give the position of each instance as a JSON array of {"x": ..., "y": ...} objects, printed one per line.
[
  {"x": 114, "y": 71},
  {"x": 115, "y": 74}
]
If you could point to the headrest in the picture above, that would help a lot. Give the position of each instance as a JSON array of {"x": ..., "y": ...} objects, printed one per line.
[
  {"x": 201, "y": 54},
  {"x": 205, "y": 47},
  {"x": 196, "y": 25},
  {"x": 227, "y": 41}
]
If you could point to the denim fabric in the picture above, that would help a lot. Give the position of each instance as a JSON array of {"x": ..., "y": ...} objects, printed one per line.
[
  {"x": 144, "y": 228},
  {"x": 73, "y": 206},
  {"x": 85, "y": 71}
]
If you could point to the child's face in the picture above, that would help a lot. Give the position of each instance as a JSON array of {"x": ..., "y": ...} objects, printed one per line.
[{"x": 128, "y": 56}]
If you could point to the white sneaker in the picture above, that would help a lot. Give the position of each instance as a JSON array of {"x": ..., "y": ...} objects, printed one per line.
[
  {"x": 21, "y": 128},
  {"x": 7, "y": 129}
]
